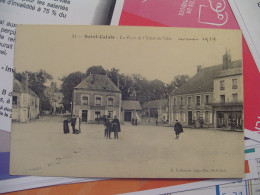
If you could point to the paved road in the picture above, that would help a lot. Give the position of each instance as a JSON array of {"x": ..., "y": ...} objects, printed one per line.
[{"x": 41, "y": 148}]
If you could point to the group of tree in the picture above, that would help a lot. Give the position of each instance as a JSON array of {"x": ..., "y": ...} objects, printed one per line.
[
  {"x": 36, "y": 82},
  {"x": 133, "y": 87}
]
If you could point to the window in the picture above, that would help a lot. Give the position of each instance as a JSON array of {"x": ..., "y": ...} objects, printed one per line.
[
  {"x": 207, "y": 99},
  {"x": 181, "y": 101},
  {"x": 32, "y": 103},
  {"x": 197, "y": 115},
  {"x": 207, "y": 116},
  {"x": 197, "y": 100},
  {"x": 84, "y": 100},
  {"x": 110, "y": 114},
  {"x": 174, "y": 101},
  {"x": 234, "y": 96},
  {"x": 222, "y": 98},
  {"x": 98, "y": 101},
  {"x": 110, "y": 101},
  {"x": 189, "y": 101},
  {"x": 15, "y": 100},
  {"x": 234, "y": 83},
  {"x": 181, "y": 117},
  {"x": 222, "y": 85},
  {"x": 97, "y": 115}
]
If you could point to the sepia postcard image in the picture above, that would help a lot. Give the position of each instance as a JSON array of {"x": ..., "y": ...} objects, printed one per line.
[{"x": 127, "y": 102}]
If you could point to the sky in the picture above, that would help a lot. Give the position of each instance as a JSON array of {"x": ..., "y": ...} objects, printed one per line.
[{"x": 53, "y": 49}]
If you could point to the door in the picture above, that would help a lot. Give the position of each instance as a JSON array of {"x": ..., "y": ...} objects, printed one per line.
[
  {"x": 189, "y": 117},
  {"x": 128, "y": 116},
  {"x": 84, "y": 116}
]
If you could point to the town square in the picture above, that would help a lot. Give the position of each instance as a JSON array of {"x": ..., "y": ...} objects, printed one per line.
[{"x": 142, "y": 145}]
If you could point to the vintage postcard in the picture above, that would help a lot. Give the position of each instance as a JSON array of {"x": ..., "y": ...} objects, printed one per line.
[{"x": 127, "y": 102}]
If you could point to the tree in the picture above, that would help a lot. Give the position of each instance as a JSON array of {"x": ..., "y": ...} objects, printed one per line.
[
  {"x": 157, "y": 90},
  {"x": 68, "y": 83},
  {"x": 96, "y": 70},
  {"x": 177, "y": 82},
  {"x": 36, "y": 82}
]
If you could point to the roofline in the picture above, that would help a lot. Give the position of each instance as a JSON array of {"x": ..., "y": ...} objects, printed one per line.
[
  {"x": 193, "y": 92},
  {"x": 96, "y": 90},
  {"x": 228, "y": 75}
]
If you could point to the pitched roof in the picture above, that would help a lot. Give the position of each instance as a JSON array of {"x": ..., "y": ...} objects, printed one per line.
[
  {"x": 131, "y": 105},
  {"x": 18, "y": 86},
  {"x": 203, "y": 80},
  {"x": 155, "y": 104},
  {"x": 97, "y": 82}
]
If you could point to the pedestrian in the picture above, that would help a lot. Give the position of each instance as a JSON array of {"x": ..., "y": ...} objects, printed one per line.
[
  {"x": 178, "y": 129},
  {"x": 136, "y": 121},
  {"x": 116, "y": 121},
  {"x": 77, "y": 125},
  {"x": 73, "y": 124},
  {"x": 66, "y": 126}
]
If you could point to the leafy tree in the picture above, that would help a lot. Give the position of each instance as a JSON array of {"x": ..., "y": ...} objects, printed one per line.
[
  {"x": 96, "y": 70},
  {"x": 177, "y": 82},
  {"x": 36, "y": 82},
  {"x": 68, "y": 83}
]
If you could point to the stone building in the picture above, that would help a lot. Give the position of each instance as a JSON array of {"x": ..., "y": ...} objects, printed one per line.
[
  {"x": 26, "y": 104},
  {"x": 198, "y": 100},
  {"x": 228, "y": 96},
  {"x": 95, "y": 97}
]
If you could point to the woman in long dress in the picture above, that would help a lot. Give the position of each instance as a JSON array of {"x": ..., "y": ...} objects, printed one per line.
[{"x": 77, "y": 127}]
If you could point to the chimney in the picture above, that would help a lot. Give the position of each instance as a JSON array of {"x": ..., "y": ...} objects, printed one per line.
[
  {"x": 25, "y": 82},
  {"x": 118, "y": 81},
  {"x": 93, "y": 79},
  {"x": 199, "y": 67},
  {"x": 226, "y": 60}
]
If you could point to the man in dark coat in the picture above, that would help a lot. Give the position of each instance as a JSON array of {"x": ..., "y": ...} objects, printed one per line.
[
  {"x": 66, "y": 126},
  {"x": 178, "y": 129},
  {"x": 115, "y": 120},
  {"x": 73, "y": 124}
]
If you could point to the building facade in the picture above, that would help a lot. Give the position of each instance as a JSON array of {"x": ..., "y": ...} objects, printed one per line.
[
  {"x": 95, "y": 97},
  {"x": 228, "y": 99},
  {"x": 26, "y": 104},
  {"x": 211, "y": 97},
  {"x": 158, "y": 109},
  {"x": 131, "y": 110}
]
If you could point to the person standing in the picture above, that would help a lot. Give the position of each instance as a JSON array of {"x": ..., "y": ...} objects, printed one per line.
[
  {"x": 116, "y": 121},
  {"x": 77, "y": 126},
  {"x": 66, "y": 126},
  {"x": 178, "y": 129},
  {"x": 73, "y": 124}
]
